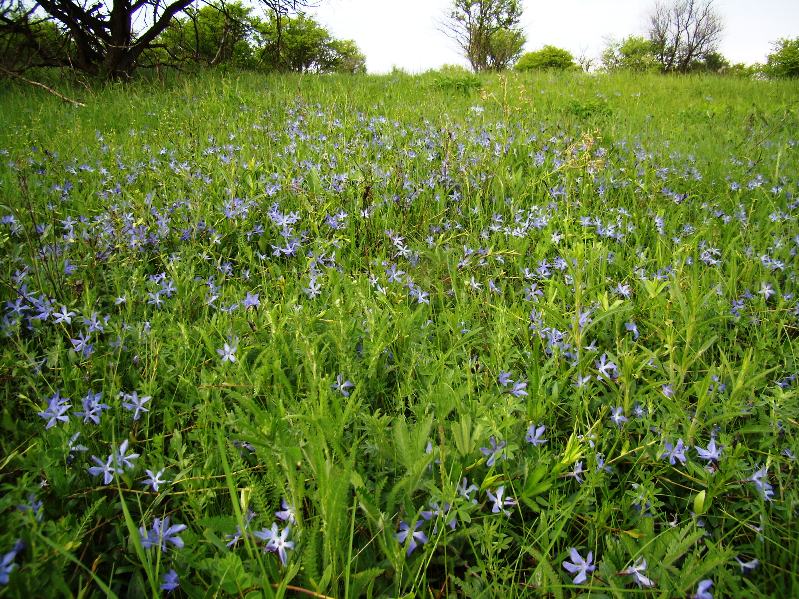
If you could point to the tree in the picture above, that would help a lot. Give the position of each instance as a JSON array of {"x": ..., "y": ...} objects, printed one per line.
[
  {"x": 549, "y": 58},
  {"x": 683, "y": 32},
  {"x": 633, "y": 53},
  {"x": 27, "y": 40},
  {"x": 345, "y": 57},
  {"x": 214, "y": 34},
  {"x": 711, "y": 62},
  {"x": 505, "y": 47},
  {"x": 487, "y": 31},
  {"x": 784, "y": 60},
  {"x": 101, "y": 35}
]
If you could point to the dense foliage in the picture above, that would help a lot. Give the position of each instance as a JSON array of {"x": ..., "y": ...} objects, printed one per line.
[
  {"x": 784, "y": 60},
  {"x": 547, "y": 58},
  {"x": 633, "y": 53},
  {"x": 232, "y": 34},
  {"x": 487, "y": 31},
  {"x": 385, "y": 337},
  {"x": 216, "y": 33},
  {"x": 639, "y": 55}
]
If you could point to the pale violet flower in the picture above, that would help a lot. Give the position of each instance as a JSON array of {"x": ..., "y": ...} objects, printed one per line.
[
  {"x": 637, "y": 572},
  {"x": 228, "y": 351},
  {"x": 534, "y": 434},
  {"x": 578, "y": 565}
]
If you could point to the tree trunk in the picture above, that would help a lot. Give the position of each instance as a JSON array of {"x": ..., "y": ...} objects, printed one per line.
[{"x": 117, "y": 62}]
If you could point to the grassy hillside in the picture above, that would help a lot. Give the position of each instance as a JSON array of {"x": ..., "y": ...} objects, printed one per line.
[{"x": 406, "y": 336}]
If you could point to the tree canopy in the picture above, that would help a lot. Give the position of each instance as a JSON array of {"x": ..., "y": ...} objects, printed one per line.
[
  {"x": 633, "y": 53},
  {"x": 547, "y": 58},
  {"x": 683, "y": 32},
  {"x": 487, "y": 31},
  {"x": 111, "y": 38},
  {"x": 784, "y": 59},
  {"x": 232, "y": 34}
]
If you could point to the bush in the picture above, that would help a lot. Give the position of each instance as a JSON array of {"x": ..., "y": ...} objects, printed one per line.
[
  {"x": 456, "y": 78},
  {"x": 784, "y": 61},
  {"x": 633, "y": 53},
  {"x": 589, "y": 108},
  {"x": 547, "y": 58}
]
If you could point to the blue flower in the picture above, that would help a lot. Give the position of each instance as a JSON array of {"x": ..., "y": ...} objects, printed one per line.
[
  {"x": 578, "y": 565},
  {"x": 500, "y": 502},
  {"x": 107, "y": 469},
  {"x": 342, "y": 385},
  {"x": 74, "y": 447},
  {"x": 251, "y": 301},
  {"x": 465, "y": 490},
  {"x": 280, "y": 543},
  {"x": 228, "y": 352},
  {"x": 435, "y": 511},
  {"x": 617, "y": 416},
  {"x": 92, "y": 408},
  {"x": 237, "y": 536},
  {"x": 637, "y": 572},
  {"x": 7, "y": 564},
  {"x": 63, "y": 315},
  {"x": 674, "y": 452},
  {"x": 518, "y": 389},
  {"x": 417, "y": 536},
  {"x": 760, "y": 478},
  {"x": 606, "y": 368},
  {"x": 135, "y": 403},
  {"x": 287, "y": 514},
  {"x": 81, "y": 344},
  {"x": 504, "y": 378},
  {"x": 578, "y": 470},
  {"x": 123, "y": 458},
  {"x": 600, "y": 464},
  {"x": 154, "y": 480},
  {"x": 114, "y": 463},
  {"x": 534, "y": 434},
  {"x": 266, "y": 534},
  {"x": 57, "y": 408},
  {"x": 314, "y": 289},
  {"x": 170, "y": 581},
  {"x": 276, "y": 540},
  {"x": 94, "y": 325},
  {"x": 712, "y": 453},
  {"x": 421, "y": 297},
  {"x": 161, "y": 534},
  {"x": 749, "y": 566},
  {"x": 34, "y": 506},
  {"x": 703, "y": 590},
  {"x": 494, "y": 452}
]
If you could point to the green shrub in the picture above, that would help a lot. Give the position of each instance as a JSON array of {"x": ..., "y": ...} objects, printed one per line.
[
  {"x": 456, "y": 78},
  {"x": 547, "y": 58},
  {"x": 634, "y": 53},
  {"x": 784, "y": 61}
]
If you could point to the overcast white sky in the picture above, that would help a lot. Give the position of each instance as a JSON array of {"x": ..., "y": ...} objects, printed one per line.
[{"x": 405, "y": 32}]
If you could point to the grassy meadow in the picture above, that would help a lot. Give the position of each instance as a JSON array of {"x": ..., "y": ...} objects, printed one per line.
[{"x": 508, "y": 336}]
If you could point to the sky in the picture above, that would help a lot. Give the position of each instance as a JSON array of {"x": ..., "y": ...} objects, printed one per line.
[{"x": 406, "y": 34}]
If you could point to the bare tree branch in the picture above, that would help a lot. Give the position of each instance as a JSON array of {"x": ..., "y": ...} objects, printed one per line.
[
  {"x": 683, "y": 32},
  {"x": 41, "y": 86}
]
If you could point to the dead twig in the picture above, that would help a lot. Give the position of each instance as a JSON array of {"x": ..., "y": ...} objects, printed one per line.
[{"x": 41, "y": 85}]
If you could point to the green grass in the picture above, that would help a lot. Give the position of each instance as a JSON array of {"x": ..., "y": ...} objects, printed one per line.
[{"x": 544, "y": 226}]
